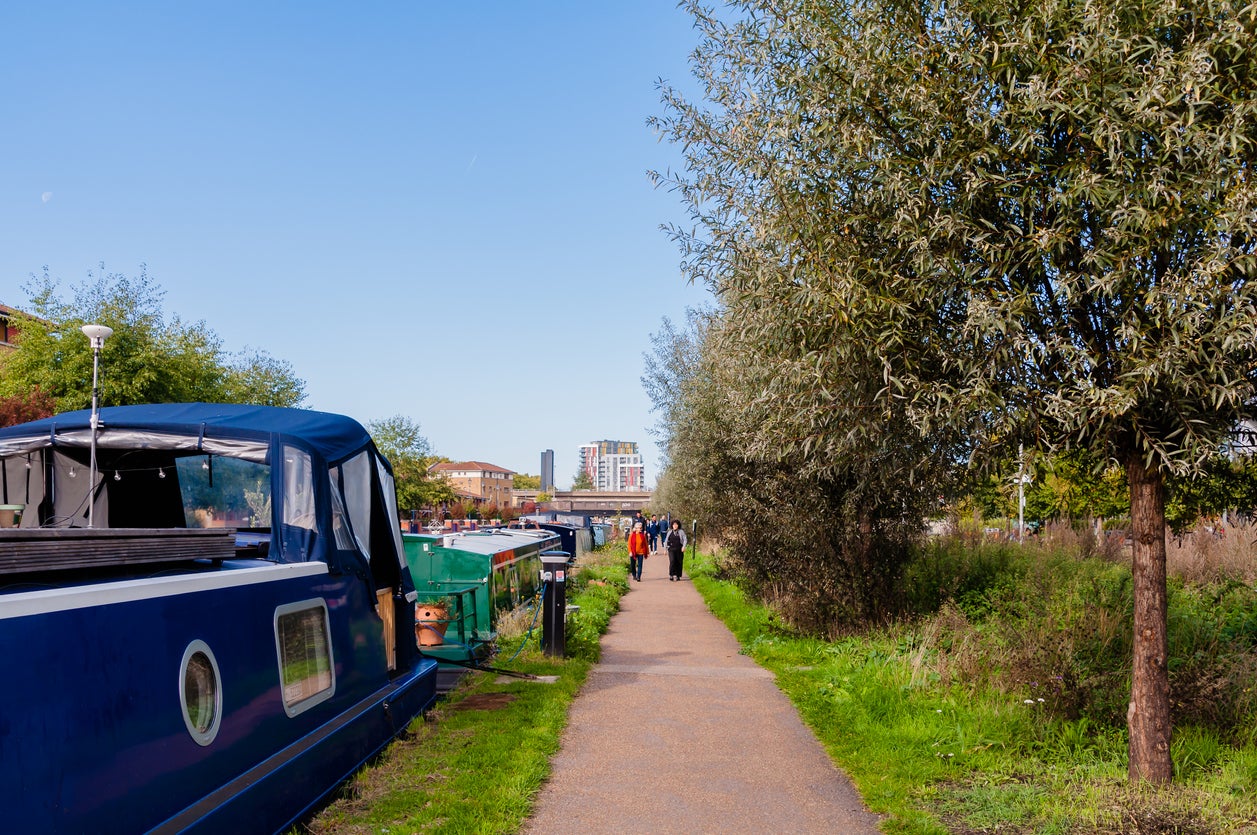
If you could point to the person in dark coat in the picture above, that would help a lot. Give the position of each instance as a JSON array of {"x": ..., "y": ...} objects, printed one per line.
[
  {"x": 675, "y": 543},
  {"x": 653, "y": 530},
  {"x": 638, "y": 519}
]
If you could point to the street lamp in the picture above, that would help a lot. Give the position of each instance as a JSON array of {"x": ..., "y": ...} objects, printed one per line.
[
  {"x": 1022, "y": 478},
  {"x": 96, "y": 334}
]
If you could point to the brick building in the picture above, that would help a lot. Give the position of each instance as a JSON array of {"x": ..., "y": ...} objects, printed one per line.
[{"x": 484, "y": 483}]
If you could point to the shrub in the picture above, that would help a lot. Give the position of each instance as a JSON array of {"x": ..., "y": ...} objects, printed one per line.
[{"x": 1043, "y": 624}]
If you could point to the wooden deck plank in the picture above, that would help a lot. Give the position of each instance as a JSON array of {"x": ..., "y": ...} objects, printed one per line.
[{"x": 64, "y": 549}]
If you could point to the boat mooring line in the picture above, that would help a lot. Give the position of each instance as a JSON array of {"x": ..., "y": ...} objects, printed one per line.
[
  {"x": 683, "y": 670},
  {"x": 483, "y": 668}
]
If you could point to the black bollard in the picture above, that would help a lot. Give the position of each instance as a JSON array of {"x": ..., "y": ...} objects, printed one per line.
[{"x": 554, "y": 603}]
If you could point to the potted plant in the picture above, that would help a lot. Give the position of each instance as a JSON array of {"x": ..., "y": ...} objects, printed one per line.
[{"x": 432, "y": 618}]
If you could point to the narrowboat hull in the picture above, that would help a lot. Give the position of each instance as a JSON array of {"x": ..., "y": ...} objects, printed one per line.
[
  {"x": 206, "y": 618},
  {"x": 93, "y": 735}
]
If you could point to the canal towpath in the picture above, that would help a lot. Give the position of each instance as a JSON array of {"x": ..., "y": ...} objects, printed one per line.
[{"x": 676, "y": 731}]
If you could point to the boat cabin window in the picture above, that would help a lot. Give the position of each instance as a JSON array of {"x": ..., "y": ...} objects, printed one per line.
[
  {"x": 351, "y": 519},
  {"x": 298, "y": 489},
  {"x": 303, "y": 643},
  {"x": 219, "y": 491},
  {"x": 202, "y": 696}
]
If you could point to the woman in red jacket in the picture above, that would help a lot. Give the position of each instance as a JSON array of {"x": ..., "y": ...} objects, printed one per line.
[{"x": 638, "y": 548}]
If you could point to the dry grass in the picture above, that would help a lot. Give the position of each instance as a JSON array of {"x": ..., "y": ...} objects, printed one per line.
[
  {"x": 1084, "y": 540},
  {"x": 512, "y": 625},
  {"x": 1207, "y": 554},
  {"x": 1210, "y": 554}
]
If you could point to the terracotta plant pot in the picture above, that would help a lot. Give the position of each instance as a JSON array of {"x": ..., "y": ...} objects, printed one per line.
[
  {"x": 431, "y": 622},
  {"x": 11, "y": 515}
]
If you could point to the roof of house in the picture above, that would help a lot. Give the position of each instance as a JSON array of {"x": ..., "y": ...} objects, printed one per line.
[{"x": 453, "y": 466}]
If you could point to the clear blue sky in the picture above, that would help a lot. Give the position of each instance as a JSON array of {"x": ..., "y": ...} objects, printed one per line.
[{"x": 432, "y": 209}]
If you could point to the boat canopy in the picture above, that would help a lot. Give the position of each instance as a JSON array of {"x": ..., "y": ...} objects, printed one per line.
[{"x": 331, "y": 499}]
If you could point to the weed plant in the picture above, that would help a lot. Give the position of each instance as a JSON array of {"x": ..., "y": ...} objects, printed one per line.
[
  {"x": 1042, "y": 623},
  {"x": 1001, "y": 706},
  {"x": 475, "y": 762}
]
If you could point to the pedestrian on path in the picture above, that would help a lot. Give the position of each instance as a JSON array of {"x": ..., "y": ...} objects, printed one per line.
[
  {"x": 690, "y": 757},
  {"x": 639, "y": 519},
  {"x": 653, "y": 530},
  {"x": 676, "y": 550},
  {"x": 638, "y": 548}
]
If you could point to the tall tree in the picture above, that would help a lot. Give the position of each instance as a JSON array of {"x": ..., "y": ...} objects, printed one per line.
[
  {"x": 149, "y": 358},
  {"x": 827, "y": 538},
  {"x": 399, "y": 439},
  {"x": 1040, "y": 218}
]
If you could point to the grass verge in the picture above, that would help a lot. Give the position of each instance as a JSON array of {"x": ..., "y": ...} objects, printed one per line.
[
  {"x": 475, "y": 762},
  {"x": 936, "y": 758}
]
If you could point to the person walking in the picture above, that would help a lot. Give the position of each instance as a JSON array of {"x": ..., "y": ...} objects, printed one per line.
[
  {"x": 675, "y": 544},
  {"x": 638, "y": 550},
  {"x": 653, "y": 531},
  {"x": 639, "y": 519}
]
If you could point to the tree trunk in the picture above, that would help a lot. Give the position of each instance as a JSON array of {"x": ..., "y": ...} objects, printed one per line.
[
  {"x": 872, "y": 596},
  {"x": 1148, "y": 717}
]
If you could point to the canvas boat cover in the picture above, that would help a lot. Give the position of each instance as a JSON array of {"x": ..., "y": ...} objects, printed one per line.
[{"x": 333, "y": 497}]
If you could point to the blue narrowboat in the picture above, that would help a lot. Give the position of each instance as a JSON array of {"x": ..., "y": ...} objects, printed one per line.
[{"x": 206, "y": 618}]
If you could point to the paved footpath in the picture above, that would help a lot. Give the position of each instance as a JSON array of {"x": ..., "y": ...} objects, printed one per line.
[{"x": 675, "y": 731}]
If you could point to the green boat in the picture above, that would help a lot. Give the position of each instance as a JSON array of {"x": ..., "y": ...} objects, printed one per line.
[{"x": 476, "y": 575}]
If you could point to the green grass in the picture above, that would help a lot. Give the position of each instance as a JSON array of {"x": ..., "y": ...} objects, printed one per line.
[
  {"x": 477, "y": 760},
  {"x": 935, "y": 757}
]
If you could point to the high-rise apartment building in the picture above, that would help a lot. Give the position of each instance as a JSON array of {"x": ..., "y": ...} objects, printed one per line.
[
  {"x": 613, "y": 465},
  {"x": 547, "y": 471}
]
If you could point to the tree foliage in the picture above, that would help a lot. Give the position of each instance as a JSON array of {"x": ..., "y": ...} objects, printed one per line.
[
  {"x": 1069, "y": 485},
  {"x": 149, "y": 358},
  {"x": 828, "y": 540},
  {"x": 398, "y": 438},
  {"x": 524, "y": 481},
  {"x": 1228, "y": 485},
  {"x": 991, "y": 222},
  {"x": 27, "y": 406}
]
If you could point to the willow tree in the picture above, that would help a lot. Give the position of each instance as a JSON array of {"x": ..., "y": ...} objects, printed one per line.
[
  {"x": 1037, "y": 221},
  {"x": 825, "y": 537}
]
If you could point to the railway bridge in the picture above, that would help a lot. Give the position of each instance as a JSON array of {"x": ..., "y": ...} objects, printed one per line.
[{"x": 601, "y": 502}]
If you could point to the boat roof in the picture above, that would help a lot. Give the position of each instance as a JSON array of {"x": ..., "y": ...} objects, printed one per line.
[
  {"x": 495, "y": 541},
  {"x": 334, "y": 437}
]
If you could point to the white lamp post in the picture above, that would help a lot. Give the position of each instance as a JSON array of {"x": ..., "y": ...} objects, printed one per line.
[
  {"x": 1022, "y": 478},
  {"x": 96, "y": 334}
]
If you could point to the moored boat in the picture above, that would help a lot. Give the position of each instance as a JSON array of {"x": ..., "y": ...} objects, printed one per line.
[
  {"x": 478, "y": 575},
  {"x": 210, "y": 630}
]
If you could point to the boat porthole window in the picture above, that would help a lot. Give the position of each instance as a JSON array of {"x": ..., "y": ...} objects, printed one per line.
[{"x": 200, "y": 692}]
